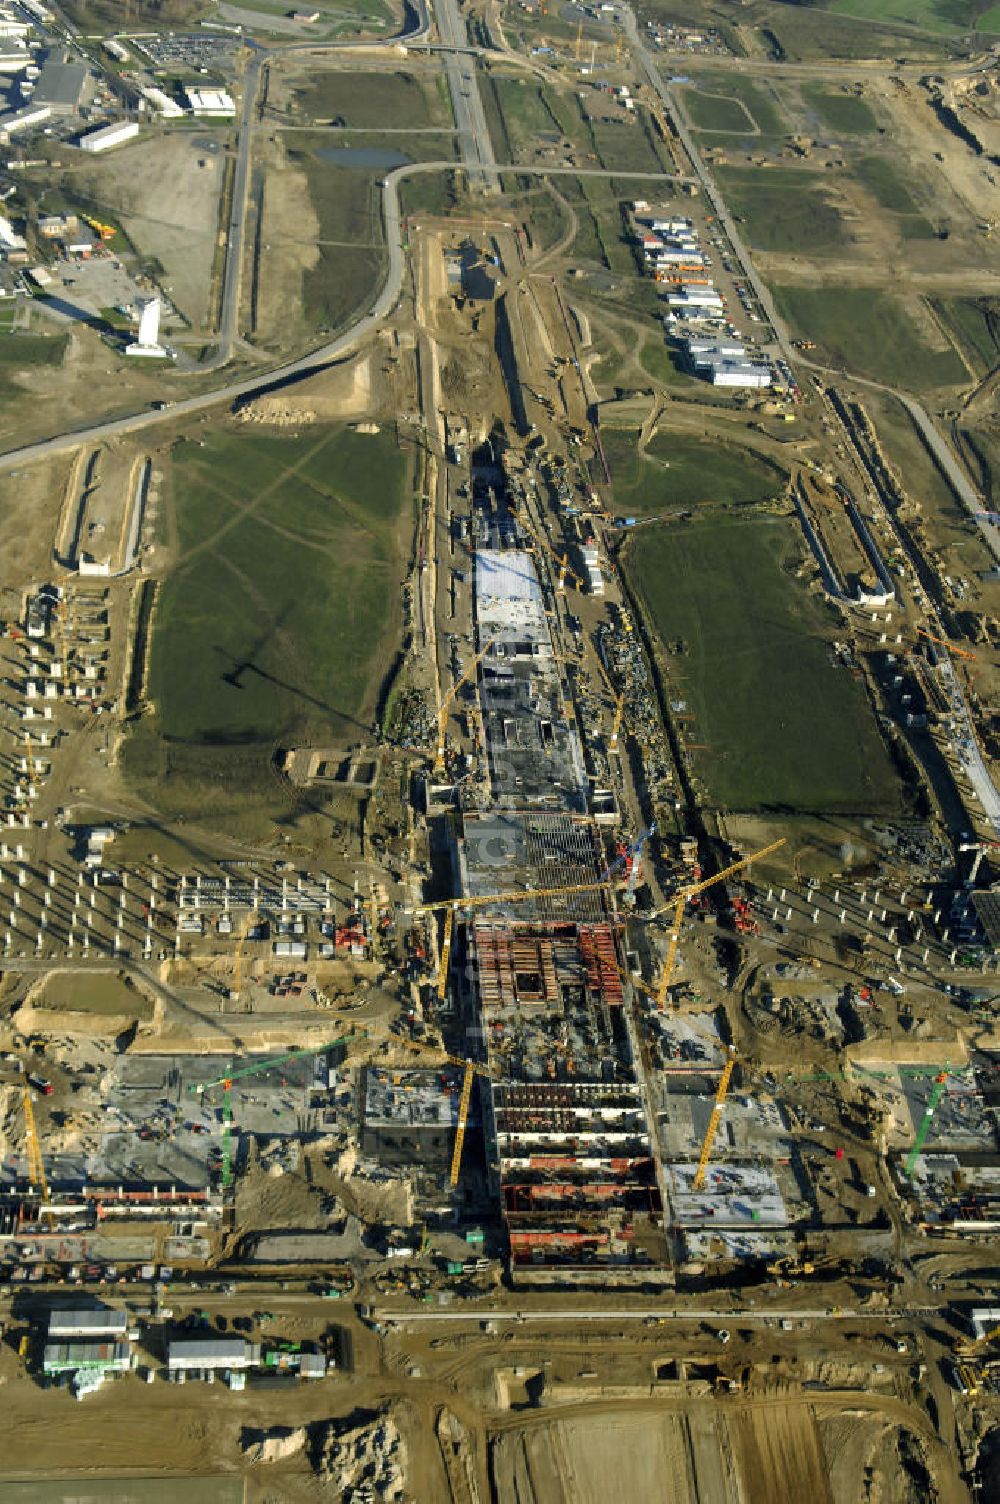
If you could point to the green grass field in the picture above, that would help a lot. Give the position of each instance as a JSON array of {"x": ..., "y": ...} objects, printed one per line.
[
  {"x": 376, "y": 101},
  {"x": 758, "y": 103},
  {"x": 928, "y": 15},
  {"x": 985, "y": 447},
  {"x": 351, "y": 258},
  {"x": 868, "y": 333},
  {"x": 840, "y": 111},
  {"x": 679, "y": 472},
  {"x": 664, "y": 365},
  {"x": 784, "y": 728},
  {"x": 976, "y": 324},
  {"x": 283, "y": 608},
  {"x": 784, "y": 209},
  {"x": 718, "y": 112},
  {"x": 885, "y": 184},
  {"x": 32, "y": 349},
  {"x": 27, "y": 350},
  {"x": 890, "y": 190}
]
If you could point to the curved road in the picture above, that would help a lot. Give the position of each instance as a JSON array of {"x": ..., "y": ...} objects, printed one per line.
[{"x": 317, "y": 359}]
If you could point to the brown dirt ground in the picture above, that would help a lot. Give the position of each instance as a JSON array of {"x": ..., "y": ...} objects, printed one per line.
[{"x": 288, "y": 250}]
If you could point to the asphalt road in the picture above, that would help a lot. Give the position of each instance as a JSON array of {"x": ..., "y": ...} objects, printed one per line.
[
  {"x": 657, "y": 1313},
  {"x": 473, "y": 133},
  {"x": 231, "y": 278},
  {"x": 315, "y": 360}
]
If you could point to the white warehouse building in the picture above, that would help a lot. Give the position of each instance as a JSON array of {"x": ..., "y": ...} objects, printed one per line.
[
  {"x": 696, "y": 297},
  {"x": 23, "y": 120},
  {"x": 738, "y": 373},
  {"x": 211, "y": 102},
  {"x": 88, "y": 1325},
  {"x": 212, "y": 1352},
  {"x": 107, "y": 136}
]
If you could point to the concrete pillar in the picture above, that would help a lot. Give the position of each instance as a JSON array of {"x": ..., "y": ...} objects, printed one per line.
[
  {"x": 815, "y": 916},
  {"x": 952, "y": 958},
  {"x": 788, "y": 913},
  {"x": 843, "y": 916}
]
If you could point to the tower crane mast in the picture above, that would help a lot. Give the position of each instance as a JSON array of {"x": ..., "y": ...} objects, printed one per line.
[
  {"x": 722, "y": 1092},
  {"x": 687, "y": 893}
]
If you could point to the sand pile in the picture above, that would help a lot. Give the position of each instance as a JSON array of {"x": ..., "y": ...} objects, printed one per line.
[
  {"x": 272, "y": 1446},
  {"x": 361, "y": 1462}
]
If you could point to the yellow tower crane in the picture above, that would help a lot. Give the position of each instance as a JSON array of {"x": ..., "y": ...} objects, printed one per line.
[
  {"x": 448, "y": 700},
  {"x": 562, "y": 559},
  {"x": 520, "y": 895},
  {"x": 721, "y": 1094},
  {"x": 445, "y": 957},
  {"x": 682, "y": 898},
  {"x": 36, "y": 1167},
  {"x": 971, "y": 1349},
  {"x": 471, "y": 1068}
]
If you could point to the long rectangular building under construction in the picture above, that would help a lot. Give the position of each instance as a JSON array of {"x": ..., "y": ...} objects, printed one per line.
[{"x": 567, "y": 1134}]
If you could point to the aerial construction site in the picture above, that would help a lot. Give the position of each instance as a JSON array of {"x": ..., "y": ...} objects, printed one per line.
[{"x": 499, "y": 879}]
